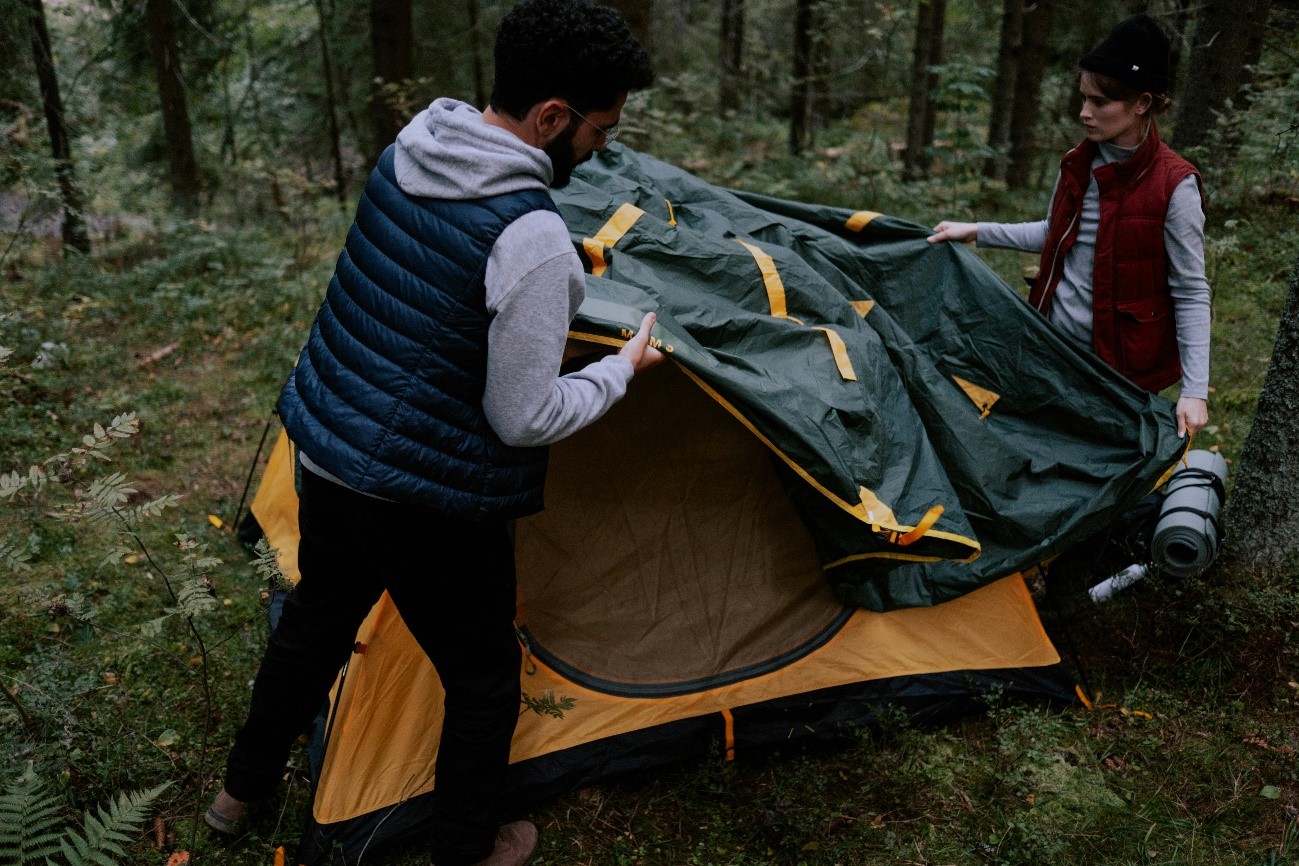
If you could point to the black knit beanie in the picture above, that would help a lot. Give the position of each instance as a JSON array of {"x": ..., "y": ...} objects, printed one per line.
[{"x": 1135, "y": 52}]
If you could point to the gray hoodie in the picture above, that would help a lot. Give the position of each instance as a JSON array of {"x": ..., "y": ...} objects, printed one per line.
[{"x": 534, "y": 277}]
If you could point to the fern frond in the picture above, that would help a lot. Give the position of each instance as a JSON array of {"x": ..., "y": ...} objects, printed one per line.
[
  {"x": 93, "y": 444},
  {"x": 195, "y": 596},
  {"x": 124, "y": 425},
  {"x": 153, "y": 627},
  {"x": 105, "y": 831},
  {"x": 15, "y": 559},
  {"x": 116, "y": 555},
  {"x": 151, "y": 509},
  {"x": 30, "y": 821},
  {"x": 110, "y": 491},
  {"x": 11, "y": 483},
  {"x": 267, "y": 564}
]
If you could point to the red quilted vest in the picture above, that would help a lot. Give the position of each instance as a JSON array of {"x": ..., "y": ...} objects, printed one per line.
[{"x": 1133, "y": 328}]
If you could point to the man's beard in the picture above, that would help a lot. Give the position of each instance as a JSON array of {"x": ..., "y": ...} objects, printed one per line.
[{"x": 562, "y": 158}]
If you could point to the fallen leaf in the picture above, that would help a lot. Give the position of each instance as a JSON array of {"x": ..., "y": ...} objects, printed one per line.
[
  {"x": 178, "y": 858},
  {"x": 215, "y": 521},
  {"x": 152, "y": 358}
]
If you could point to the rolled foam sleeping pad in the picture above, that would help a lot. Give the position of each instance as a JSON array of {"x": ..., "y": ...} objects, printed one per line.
[{"x": 1187, "y": 534}]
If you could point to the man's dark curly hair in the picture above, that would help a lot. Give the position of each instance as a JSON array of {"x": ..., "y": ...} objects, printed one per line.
[{"x": 577, "y": 50}]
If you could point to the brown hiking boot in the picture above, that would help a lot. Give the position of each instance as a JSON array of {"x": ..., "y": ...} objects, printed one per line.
[{"x": 514, "y": 845}]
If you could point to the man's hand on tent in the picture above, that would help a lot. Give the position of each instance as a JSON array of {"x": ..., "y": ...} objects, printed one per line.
[
  {"x": 1192, "y": 414},
  {"x": 638, "y": 349},
  {"x": 949, "y": 231}
]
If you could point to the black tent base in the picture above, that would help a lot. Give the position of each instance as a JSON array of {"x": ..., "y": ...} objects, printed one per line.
[{"x": 828, "y": 716}]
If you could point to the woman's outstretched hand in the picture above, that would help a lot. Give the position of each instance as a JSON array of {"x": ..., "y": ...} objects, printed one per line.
[{"x": 950, "y": 231}]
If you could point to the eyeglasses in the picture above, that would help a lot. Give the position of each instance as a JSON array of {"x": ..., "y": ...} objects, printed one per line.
[{"x": 609, "y": 132}]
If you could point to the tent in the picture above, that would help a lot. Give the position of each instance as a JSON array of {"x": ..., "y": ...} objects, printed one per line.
[{"x": 820, "y": 512}]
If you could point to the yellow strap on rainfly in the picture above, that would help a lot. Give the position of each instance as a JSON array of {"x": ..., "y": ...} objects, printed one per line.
[
  {"x": 729, "y": 721},
  {"x": 862, "y": 307},
  {"x": 926, "y": 523},
  {"x": 981, "y": 397},
  {"x": 672, "y": 217},
  {"x": 840, "y": 351},
  {"x": 770, "y": 279},
  {"x": 860, "y": 220},
  {"x": 609, "y": 235}
]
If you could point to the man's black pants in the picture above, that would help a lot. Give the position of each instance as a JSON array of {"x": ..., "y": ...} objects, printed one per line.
[{"x": 353, "y": 547}]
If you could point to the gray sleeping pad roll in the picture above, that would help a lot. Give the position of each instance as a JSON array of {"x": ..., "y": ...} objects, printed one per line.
[{"x": 1188, "y": 534}]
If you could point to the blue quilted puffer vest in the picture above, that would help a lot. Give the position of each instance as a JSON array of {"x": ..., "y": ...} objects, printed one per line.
[{"x": 387, "y": 394}]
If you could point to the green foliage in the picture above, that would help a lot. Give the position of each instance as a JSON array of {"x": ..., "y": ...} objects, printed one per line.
[
  {"x": 33, "y": 830},
  {"x": 30, "y": 822},
  {"x": 106, "y": 831},
  {"x": 266, "y": 561}
]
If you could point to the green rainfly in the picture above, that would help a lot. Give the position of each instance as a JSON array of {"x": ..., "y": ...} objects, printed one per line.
[{"x": 932, "y": 430}]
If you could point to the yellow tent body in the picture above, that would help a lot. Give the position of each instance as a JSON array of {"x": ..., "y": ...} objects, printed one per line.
[{"x": 671, "y": 604}]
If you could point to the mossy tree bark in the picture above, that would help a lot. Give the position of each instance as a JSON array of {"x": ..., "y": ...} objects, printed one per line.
[
  {"x": 927, "y": 52},
  {"x": 1225, "y": 48},
  {"x": 1262, "y": 511},
  {"x": 1024, "y": 126},
  {"x": 164, "y": 49},
  {"x": 730, "y": 51},
  {"x": 476, "y": 53},
  {"x": 800, "y": 95},
  {"x": 1003, "y": 88},
  {"x": 331, "y": 104},
  {"x": 639, "y": 15},
  {"x": 74, "y": 223},
  {"x": 392, "y": 44}
]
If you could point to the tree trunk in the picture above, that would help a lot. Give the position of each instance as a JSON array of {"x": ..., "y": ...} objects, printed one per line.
[
  {"x": 1262, "y": 513},
  {"x": 800, "y": 101},
  {"x": 476, "y": 55},
  {"x": 1226, "y": 46},
  {"x": 164, "y": 49},
  {"x": 1028, "y": 93},
  {"x": 1179, "y": 39},
  {"x": 921, "y": 115},
  {"x": 331, "y": 104},
  {"x": 639, "y": 15},
  {"x": 1003, "y": 89},
  {"x": 74, "y": 223},
  {"x": 730, "y": 45},
  {"x": 392, "y": 43}
]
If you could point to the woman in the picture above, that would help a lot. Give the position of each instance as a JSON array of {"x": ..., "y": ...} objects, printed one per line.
[{"x": 1122, "y": 250}]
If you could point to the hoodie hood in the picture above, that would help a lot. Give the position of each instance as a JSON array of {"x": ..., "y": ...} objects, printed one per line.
[{"x": 449, "y": 152}]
